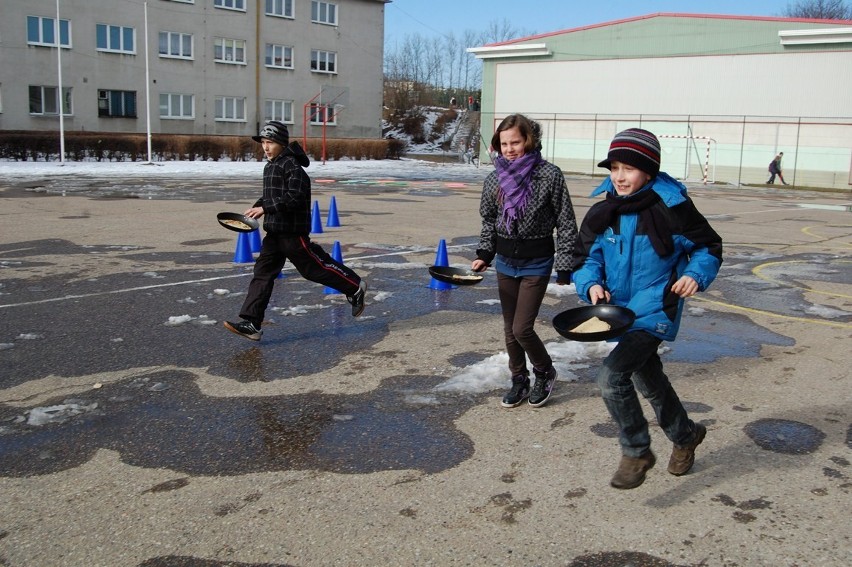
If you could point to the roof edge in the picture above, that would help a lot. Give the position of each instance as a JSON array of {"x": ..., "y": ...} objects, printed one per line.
[{"x": 673, "y": 15}]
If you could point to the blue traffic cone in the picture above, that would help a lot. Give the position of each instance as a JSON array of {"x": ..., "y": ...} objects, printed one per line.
[
  {"x": 254, "y": 239},
  {"x": 242, "y": 255},
  {"x": 333, "y": 220},
  {"x": 316, "y": 222},
  {"x": 337, "y": 255},
  {"x": 441, "y": 260}
]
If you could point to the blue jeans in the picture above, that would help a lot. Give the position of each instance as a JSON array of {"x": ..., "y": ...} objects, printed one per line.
[{"x": 635, "y": 365}]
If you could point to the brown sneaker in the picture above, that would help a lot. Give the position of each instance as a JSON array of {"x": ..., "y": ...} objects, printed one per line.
[
  {"x": 683, "y": 456},
  {"x": 631, "y": 470}
]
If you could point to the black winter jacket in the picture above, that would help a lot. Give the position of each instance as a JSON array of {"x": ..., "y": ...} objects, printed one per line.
[{"x": 286, "y": 199}]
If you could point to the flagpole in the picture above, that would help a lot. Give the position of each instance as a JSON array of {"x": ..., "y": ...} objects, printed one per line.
[
  {"x": 147, "y": 84},
  {"x": 61, "y": 98}
]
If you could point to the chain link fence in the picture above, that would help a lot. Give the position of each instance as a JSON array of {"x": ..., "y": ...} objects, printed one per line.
[{"x": 734, "y": 150}]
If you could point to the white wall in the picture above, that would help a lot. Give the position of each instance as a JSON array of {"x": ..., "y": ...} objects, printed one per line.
[{"x": 789, "y": 84}]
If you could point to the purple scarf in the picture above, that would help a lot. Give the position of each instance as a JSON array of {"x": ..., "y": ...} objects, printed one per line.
[{"x": 515, "y": 179}]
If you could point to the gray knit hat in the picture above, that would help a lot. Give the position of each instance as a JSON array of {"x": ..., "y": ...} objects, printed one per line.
[
  {"x": 275, "y": 131},
  {"x": 635, "y": 147}
]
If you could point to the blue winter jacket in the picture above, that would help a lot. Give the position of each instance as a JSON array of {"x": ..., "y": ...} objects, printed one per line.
[{"x": 624, "y": 262}]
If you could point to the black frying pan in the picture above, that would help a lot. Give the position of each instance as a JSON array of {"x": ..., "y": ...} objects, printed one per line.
[
  {"x": 455, "y": 276},
  {"x": 619, "y": 319},
  {"x": 240, "y": 222}
]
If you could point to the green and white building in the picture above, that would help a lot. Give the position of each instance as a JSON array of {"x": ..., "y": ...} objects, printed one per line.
[
  {"x": 218, "y": 67},
  {"x": 725, "y": 94}
]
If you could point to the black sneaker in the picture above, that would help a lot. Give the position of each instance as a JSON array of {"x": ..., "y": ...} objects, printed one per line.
[
  {"x": 357, "y": 299},
  {"x": 519, "y": 392},
  {"x": 245, "y": 329},
  {"x": 543, "y": 386}
]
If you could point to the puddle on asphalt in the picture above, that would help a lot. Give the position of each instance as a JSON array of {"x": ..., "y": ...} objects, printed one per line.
[
  {"x": 785, "y": 436},
  {"x": 709, "y": 337},
  {"x": 164, "y": 421},
  {"x": 620, "y": 559}
]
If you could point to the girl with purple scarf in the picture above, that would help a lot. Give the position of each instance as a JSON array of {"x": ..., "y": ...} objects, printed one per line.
[{"x": 523, "y": 201}]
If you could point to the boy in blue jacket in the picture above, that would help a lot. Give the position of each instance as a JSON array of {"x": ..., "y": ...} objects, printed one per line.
[{"x": 645, "y": 247}]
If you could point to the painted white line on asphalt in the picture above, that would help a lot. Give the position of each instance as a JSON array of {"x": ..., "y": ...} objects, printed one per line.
[{"x": 202, "y": 280}]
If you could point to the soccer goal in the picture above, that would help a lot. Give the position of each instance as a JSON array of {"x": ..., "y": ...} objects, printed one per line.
[{"x": 684, "y": 151}]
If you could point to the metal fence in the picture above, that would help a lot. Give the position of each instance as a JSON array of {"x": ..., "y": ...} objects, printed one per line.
[{"x": 713, "y": 149}]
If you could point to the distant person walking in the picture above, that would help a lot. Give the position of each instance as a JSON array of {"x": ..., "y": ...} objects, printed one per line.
[{"x": 775, "y": 169}]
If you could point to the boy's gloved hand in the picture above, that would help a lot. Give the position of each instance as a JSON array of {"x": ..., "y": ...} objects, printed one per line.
[{"x": 563, "y": 277}]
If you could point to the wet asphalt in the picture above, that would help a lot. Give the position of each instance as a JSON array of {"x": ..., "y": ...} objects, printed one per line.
[{"x": 113, "y": 360}]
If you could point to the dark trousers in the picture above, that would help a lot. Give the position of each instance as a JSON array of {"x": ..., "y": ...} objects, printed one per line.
[
  {"x": 311, "y": 261},
  {"x": 520, "y": 301},
  {"x": 635, "y": 365},
  {"x": 772, "y": 175}
]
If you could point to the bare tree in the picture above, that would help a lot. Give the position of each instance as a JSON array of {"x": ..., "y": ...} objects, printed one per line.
[
  {"x": 424, "y": 70},
  {"x": 820, "y": 10}
]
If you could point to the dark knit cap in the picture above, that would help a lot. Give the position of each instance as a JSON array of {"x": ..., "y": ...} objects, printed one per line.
[
  {"x": 275, "y": 131},
  {"x": 636, "y": 147}
]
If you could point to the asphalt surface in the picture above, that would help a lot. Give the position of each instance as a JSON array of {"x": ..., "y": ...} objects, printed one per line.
[{"x": 135, "y": 430}]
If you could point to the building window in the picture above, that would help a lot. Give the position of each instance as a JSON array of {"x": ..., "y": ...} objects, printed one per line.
[
  {"x": 231, "y": 4},
  {"x": 281, "y": 110},
  {"x": 320, "y": 113},
  {"x": 175, "y": 106},
  {"x": 324, "y": 13},
  {"x": 44, "y": 101},
  {"x": 42, "y": 31},
  {"x": 281, "y": 8},
  {"x": 229, "y": 50},
  {"x": 230, "y": 109},
  {"x": 323, "y": 61},
  {"x": 280, "y": 56},
  {"x": 177, "y": 45},
  {"x": 117, "y": 104},
  {"x": 118, "y": 39}
]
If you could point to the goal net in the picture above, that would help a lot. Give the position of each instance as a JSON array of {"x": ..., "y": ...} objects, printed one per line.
[{"x": 690, "y": 157}]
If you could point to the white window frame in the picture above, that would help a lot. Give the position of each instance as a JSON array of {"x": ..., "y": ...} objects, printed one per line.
[
  {"x": 280, "y": 9},
  {"x": 167, "y": 110},
  {"x": 122, "y": 38},
  {"x": 237, "y": 5},
  {"x": 170, "y": 37},
  {"x": 68, "y": 108},
  {"x": 278, "y": 109},
  {"x": 276, "y": 51},
  {"x": 42, "y": 20},
  {"x": 316, "y": 113},
  {"x": 324, "y": 13},
  {"x": 321, "y": 61},
  {"x": 233, "y": 105},
  {"x": 229, "y": 46}
]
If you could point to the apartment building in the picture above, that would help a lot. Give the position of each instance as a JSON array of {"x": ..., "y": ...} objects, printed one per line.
[{"x": 218, "y": 67}]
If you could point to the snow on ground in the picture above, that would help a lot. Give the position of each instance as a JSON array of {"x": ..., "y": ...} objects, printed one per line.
[{"x": 412, "y": 169}]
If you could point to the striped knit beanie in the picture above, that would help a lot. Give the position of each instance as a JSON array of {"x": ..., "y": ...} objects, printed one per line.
[{"x": 635, "y": 147}]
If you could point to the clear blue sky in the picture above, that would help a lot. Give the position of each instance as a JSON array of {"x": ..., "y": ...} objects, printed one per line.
[{"x": 431, "y": 18}]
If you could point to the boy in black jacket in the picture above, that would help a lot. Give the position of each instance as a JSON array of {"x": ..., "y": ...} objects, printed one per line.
[{"x": 286, "y": 205}]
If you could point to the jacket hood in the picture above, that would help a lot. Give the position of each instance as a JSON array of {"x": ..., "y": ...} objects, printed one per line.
[
  {"x": 294, "y": 149},
  {"x": 670, "y": 190}
]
